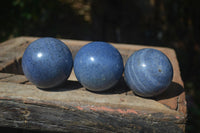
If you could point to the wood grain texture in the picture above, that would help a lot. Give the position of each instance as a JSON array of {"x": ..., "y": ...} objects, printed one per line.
[
  {"x": 26, "y": 106},
  {"x": 71, "y": 108}
]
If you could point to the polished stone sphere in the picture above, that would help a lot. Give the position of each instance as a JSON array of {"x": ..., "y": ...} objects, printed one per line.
[
  {"x": 47, "y": 62},
  {"x": 98, "y": 66},
  {"x": 148, "y": 72}
]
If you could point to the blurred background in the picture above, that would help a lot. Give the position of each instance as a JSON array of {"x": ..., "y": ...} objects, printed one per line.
[{"x": 167, "y": 23}]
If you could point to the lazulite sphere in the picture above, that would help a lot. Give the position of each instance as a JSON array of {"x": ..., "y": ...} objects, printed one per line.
[
  {"x": 47, "y": 62},
  {"x": 98, "y": 66},
  {"x": 148, "y": 72}
]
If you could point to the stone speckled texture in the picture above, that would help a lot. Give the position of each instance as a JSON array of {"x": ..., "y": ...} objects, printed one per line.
[
  {"x": 148, "y": 72},
  {"x": 98, "y": 66},
  {"x": 47, "y": 62}
]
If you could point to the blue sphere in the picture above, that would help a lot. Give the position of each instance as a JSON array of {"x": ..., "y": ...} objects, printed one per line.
[
  {"x": 98, "y": 66},
  {"x": 148, "y": 72},
  {"x": 47, "y": 62}
]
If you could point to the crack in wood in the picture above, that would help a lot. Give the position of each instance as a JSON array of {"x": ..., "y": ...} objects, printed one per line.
[{"x": 24, "y": 82}]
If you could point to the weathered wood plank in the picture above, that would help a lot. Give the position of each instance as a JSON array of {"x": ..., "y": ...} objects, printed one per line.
[
  {"x": 10, "y": 55},
  {"x": 52, "y": 118},
  {"x": 68, "y": 95},
  {"x": 35, "y": 116},
  {"x": 82, "y": 110},
  {"x": 72, "y": 108}
]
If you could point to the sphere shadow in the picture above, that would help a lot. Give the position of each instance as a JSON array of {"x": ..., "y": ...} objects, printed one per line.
[
  {"x": 119, "y": 88},
  {"x": 66, "y": 86},
  {"x": 173, "y": 90}
]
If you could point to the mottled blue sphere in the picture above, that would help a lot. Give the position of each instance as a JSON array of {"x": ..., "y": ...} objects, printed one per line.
[
  {"x": 47, "y": 62},
  {"x": 98, "y": 66},
  {"x": 148, "y": 72}
]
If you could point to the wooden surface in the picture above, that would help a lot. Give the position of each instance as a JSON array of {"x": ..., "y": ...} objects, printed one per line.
[{"x": 71, "y": 108}]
